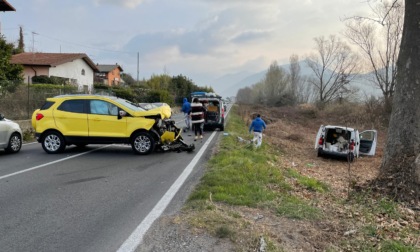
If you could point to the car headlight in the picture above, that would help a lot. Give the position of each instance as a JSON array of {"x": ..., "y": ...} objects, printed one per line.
[{"x": 159, "y": 123}]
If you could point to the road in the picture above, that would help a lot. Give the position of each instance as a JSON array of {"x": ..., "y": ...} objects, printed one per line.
[{"x": 89, "y": 199}]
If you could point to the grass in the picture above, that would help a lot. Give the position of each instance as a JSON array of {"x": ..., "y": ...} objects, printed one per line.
[
  {"x": 295, "y": 208},
  {"x": 371, "y": 207},
  {"x": 242, "y": 175},
  {"x": 242, "y": 181},
  {"x": 309, "y": 183}
]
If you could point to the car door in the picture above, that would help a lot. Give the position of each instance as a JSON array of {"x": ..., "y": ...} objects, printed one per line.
[
  {"x": 3, "y": 133},
  {"x": 103, "y": 120},
  {"x": 357, "y": 142},
  {"x": 71, "y": 118},
  {"x": 318, "y": 136},
  {"x": 368, "y": 142}
]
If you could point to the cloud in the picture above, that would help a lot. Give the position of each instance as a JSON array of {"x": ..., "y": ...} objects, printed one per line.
[
  {"x": 131, "y": 4},
  {"x": 248, "y": 36}
]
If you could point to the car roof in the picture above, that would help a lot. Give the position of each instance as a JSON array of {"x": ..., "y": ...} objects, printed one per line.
[
  {"x": 339, "y": 127},
  {"x": 208, "y": 99},
  {"x": 83, "y": 96},
  {"x": 205, "y": 95}
]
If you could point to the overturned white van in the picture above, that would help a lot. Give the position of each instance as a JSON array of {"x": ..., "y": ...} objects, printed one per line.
[{"x": 345, "y": 142}]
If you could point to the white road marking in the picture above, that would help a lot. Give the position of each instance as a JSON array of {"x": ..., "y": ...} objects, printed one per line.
[
  {"x": 29, "y": 143},
  {"x": 50, "y": 163},
  {"x": 136, "y": 237}
]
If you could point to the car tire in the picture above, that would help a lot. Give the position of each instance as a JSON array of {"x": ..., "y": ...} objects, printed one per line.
[
  {"x": 350, "y": 157},
  {"x": 319, "y": 154},
  {"x": 222, "y": 127},
  {"x": 143, "y": 143},
  {"x": 15, "y": 143},
  {"x": 53, "y": 142}
]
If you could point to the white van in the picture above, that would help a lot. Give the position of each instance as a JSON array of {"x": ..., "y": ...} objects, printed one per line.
[
  {"x": 215, "y": 110},
  {"x": 345, "y": 142}
]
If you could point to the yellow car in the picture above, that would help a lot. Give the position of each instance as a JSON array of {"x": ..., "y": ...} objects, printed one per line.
[
  {"x": 94, "y": 119},
  {"x": 162, "y": 107}
]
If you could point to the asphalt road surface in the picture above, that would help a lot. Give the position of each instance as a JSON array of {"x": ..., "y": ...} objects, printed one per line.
[{"x": 99, "y": 198}]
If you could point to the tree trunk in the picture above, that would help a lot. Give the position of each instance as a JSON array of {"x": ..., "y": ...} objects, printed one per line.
[{"x": 400, "y": 167}]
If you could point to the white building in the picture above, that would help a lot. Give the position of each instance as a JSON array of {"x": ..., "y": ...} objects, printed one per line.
[{"x": 77, "y": 68}]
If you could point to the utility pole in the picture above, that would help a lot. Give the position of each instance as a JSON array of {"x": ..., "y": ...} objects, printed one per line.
[
  {"x": 138, "y": 56},
  {"x": 33, "y": 40}
]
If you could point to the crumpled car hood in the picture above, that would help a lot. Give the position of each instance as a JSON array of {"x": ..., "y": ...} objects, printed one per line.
[{"x": 161, "y": 111}]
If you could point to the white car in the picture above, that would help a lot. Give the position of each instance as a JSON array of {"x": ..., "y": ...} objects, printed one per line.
[
  {"x": 345, "y": 142},
  {"x": 10, "y": 135}
]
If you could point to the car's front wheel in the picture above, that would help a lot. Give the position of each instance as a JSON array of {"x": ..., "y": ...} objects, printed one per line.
[
  {"x": 15, "y": 143},
  {"x": 53, "y": 142},
  {"x": 143, "y": 143}
]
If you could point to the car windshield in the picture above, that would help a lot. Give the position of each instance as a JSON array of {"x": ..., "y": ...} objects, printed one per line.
[{"x": 129, "y": 105}]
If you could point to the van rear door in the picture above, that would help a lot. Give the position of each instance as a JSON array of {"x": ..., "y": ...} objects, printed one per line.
[
  {"x": 318, "y": 136},
  {"x": 368, "y": 142}
]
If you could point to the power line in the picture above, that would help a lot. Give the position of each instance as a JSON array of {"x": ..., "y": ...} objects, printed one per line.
[
  {"x": 72, "y": 43},
  {"x": 90, "y": 47}
]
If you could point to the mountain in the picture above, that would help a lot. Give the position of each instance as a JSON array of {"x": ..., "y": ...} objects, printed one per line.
[
  {"x": 228, "y": 85},
  {"x": 230, "y": 89}
]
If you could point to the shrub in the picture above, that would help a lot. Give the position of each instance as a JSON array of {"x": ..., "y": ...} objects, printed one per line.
[{"x": 41, "y": 79}]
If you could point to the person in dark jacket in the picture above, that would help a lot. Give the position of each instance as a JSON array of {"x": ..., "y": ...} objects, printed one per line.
[
  {"x": 257, "y": 125},
  {"x": 186, "y": 108},
  {"x": 197, "y": 117}
]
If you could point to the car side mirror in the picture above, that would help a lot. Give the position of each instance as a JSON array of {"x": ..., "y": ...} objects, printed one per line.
[{"x": 122, "y": 113}]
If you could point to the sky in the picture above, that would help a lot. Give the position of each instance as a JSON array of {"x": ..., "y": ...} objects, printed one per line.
[{"x": 201, "y": 39}]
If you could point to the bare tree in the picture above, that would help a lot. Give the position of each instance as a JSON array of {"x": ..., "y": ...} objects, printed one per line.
[
  {"x": 295, "y": 77},
  {"x": 276, "y": 85},
  {"x": 334, "y": 65},
  {"x": 300, "y": 89},
  {"x": 378, "y": 38},
  {"x": 400, "y": 167}
]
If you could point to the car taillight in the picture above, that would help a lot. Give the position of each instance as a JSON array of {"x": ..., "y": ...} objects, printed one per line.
[
  {"x": 351, "y": 147},
  {"x": 39, "y": 116},
  {"x": 321, "y": 141}
]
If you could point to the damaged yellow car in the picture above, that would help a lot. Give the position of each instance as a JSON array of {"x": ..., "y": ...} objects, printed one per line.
[{"x": 94, "y": 119}]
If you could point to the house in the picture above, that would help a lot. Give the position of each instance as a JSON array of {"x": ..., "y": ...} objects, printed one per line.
[
  {"x": 5, "y": 6},
  {"x": 78, "y": 68},
  {"x": 109, "y": 75}
]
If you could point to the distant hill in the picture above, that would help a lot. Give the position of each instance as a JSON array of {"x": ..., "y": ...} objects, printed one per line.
[{"x": 229, "y": 85}]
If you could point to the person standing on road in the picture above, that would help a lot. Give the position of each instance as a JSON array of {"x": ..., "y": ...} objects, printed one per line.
[
  {"x": 258, "y": 125},
  {"x": 197, "y": 117},
  {"x": 186, "y": 108}
]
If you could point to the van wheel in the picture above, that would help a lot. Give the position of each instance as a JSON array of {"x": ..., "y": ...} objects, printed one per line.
[
  {"x": 350, "y": 157},
  {"x": 53, "y": 142},
  {"x": 15, "y": 143},
  {"x": 319, "y": 154},
  {"x": 143, "y": 143},
  {"x": 222, "y": 128}
]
